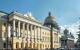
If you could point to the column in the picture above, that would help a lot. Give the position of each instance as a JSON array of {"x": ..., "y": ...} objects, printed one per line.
[
  {"x": 40, "y": 39},
  {"x": 34, "y": 36},
  {"x": 40, "y": 34},
  {"x": 9, "y": 32},
  {"x": 31, "y": 37},
  {"x": 23, "y": 34},
  {"x": 19, "y": 28},
  {"x": 14, "y": 33},
  {"x": 8, "y": 36},
  {"x": 27, "y": 35},
  {"x": 27, "y": 29},
  {"x": 31, "y": 31},
  {"x": 37, "y": 39},
  {"x": 37, "y": 33},
  {"x": 23, "y": 29}
]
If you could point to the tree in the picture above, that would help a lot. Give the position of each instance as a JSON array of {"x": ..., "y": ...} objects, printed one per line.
[
  {"x": 78, "y": 41},
  {"x": 79, "y": 33},
  {"x": 66, "y": 32},
  {"x": 65, "y": 36}
]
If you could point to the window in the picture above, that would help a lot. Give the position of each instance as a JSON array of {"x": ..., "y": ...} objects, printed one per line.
[
  {"x": 17, "y": 45},
  {"x": 22, "y": 44},
  {"x": 43, "y": 45},
  {"x": 4, "y": 24},
  {"x": 33, "y": 28},
  {"x": 29, "y": 27},
  {"x": 21, "y": 26},
  {"x": 25, "y": 27},
  {"x": 55, "y": 38},
  {"x": 4, "y": 45}
]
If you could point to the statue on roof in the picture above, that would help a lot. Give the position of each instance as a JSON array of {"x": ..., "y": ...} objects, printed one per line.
[{"x": 29, "y": 15}]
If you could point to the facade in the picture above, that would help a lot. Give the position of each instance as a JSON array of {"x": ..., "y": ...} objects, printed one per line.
[{"x": 24, "y": 31}]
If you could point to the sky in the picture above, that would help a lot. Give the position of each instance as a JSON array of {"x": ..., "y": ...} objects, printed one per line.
[{"x": 66, "y": 12}]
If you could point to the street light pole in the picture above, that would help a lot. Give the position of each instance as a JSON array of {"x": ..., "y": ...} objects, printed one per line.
[
  {"x": 12, "y": 41},
  {"x": 7, "y": 43},
  {"x": 51, "y": 37}
]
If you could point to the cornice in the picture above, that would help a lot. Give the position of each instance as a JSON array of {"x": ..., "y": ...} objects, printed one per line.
[{"x": 3, "y": 12}]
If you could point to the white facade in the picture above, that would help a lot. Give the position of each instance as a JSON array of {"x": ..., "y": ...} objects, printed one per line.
[{"x": 25, "y": 29}]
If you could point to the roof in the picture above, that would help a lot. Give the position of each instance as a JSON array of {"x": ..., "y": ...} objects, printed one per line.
[{"x": 3, "y": 12}]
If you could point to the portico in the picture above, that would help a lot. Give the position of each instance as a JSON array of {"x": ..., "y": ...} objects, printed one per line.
[
  {"x": 28, "y": 32},
  {"x": 25, "y": 32}
]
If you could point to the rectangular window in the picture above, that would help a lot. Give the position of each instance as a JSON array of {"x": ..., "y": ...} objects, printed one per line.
[
  {"x": 55, "y": 38},
  {"x": 4, "y": 45},
  {"x": 25, "y": 27},
  {"x": 29, "y": 27}
]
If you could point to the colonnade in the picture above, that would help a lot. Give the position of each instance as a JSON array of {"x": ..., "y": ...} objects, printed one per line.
[{"x": 30, "y": 32}]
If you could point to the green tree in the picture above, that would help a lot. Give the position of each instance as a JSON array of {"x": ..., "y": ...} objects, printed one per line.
[
  {"x": 66, "y": 32},
  {"x": 78, "y": 41}
]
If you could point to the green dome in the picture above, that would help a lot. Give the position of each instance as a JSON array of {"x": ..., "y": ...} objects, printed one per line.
[{"x": 50, "y": 20}]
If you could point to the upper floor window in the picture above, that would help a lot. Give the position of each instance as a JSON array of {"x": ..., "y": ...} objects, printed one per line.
[
  {"x": 4, "y": 24},
  {"x": 25, "y": 27}
]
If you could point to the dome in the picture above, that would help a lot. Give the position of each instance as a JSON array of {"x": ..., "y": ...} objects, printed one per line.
[{"x": 50, "y": 21}]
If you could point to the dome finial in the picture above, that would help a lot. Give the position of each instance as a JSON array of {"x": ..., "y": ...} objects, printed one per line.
[{"x": 49, "y": 13}]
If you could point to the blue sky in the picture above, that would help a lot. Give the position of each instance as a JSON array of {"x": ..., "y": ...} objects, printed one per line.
[{"x": 66, "y": 11}]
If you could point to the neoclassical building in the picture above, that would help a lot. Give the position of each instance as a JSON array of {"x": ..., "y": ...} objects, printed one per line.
[{"x": 24, "y": 31}]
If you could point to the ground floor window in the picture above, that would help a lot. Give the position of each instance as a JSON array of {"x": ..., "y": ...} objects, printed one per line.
[{"x": 4, "y": 45}]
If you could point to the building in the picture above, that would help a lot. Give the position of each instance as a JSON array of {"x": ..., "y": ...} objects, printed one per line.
[
  {"x": 24, "y": 31},
  {"x": 67, "y": 40}
]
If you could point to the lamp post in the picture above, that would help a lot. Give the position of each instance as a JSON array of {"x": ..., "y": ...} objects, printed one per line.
[
  {"x": 7, "y": 43},
  {"x": 51, "y": 38},
  {"x": 12, "y": 42}
]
